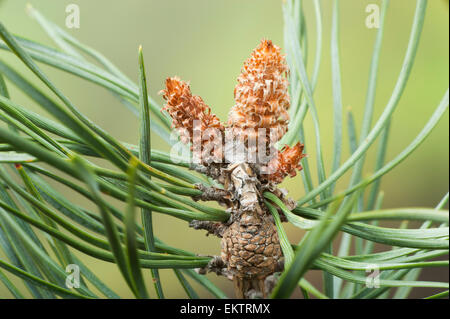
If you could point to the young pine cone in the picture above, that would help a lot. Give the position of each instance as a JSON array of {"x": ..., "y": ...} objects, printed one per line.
[{"x": 251, "y": 249}]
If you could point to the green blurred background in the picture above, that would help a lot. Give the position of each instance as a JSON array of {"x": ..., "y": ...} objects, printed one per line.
[{"x": 206, "y": 42}]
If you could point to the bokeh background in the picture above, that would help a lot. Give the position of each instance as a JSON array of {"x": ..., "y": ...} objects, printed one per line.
[{"x": 206, "y": 42}]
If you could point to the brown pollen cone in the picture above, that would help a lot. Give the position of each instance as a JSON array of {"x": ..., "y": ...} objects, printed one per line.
[
  {"x": 185, "y": 108},
  {"x": 286, "y": 163},
  {"x": 261, "y": 95}
]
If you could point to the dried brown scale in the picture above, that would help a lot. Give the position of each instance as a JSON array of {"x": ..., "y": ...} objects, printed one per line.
[
  {"x": 221, "y": 196},
  {"x": 251, "y": 251},
  {"x": 217, "y": 229}
]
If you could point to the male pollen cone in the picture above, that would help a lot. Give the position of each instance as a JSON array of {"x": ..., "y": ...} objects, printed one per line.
[
  {"x": 261, "y": 95},
  {"x": 286, "y": 163},
  {"x": 185, "y": 108}
]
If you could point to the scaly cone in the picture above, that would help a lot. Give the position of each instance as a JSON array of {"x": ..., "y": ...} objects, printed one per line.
[{"x": 261, "y": 95}]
